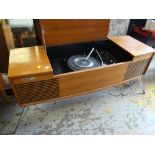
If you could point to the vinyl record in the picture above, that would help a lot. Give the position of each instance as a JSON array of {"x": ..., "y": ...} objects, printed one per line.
[{"x": 79, "y": 62}]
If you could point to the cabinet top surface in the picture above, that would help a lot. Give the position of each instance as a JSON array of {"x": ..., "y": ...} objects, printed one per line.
[
  {"x": 28, "y": 61},
  {"x": 131, "y": 45}
]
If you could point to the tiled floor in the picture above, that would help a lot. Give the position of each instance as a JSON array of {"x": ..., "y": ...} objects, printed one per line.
[{"x": 117, "y": 110}]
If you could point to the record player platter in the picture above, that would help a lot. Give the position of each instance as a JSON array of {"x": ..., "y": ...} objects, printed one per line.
[{"x": 79, "y": 62}]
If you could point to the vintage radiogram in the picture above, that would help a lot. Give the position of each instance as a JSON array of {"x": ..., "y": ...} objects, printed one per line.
[{"x": 74, "y": 57}]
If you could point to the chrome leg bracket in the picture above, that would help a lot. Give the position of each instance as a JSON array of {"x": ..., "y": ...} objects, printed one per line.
[
  {"x": 141, "y": 85},
  {"x": 23, "y": 113},
  {"x": 128, "y": 84}
]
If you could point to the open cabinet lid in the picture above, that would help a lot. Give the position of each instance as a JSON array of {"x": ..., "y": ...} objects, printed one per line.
[{"x": 52, "y": 32}]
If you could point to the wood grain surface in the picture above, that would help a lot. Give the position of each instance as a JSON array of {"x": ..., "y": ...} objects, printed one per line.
[
  {"x": 132, "y": 46},
  {"x": 67, "y": 31},
  {"x": 28, "y": 61}
]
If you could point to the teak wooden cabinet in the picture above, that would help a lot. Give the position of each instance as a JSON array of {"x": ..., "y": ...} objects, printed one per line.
[{"x": 33, "y": 75}]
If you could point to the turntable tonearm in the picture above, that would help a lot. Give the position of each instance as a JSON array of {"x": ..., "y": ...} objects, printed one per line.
[{"x": 78, "y": 59}]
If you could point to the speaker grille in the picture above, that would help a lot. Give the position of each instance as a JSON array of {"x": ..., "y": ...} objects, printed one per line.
[
  {"x": 136, "y": 69},
  {"x": 37, "y": 91}
]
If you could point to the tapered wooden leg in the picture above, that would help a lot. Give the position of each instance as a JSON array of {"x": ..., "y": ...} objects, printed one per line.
[
  {"x": 2, "y": 89},
  {"x": 6, "y": 97},
  {"x": 3, "y": 93}
]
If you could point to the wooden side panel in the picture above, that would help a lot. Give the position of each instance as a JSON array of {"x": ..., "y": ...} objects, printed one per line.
[
  {"x": 66, "y": 31},
  {"x": 81, "y": 82},
  {"x": 8, "y": 37},
  {"x": 6, "y": 43},
  {"x": 38, "y": 32}
]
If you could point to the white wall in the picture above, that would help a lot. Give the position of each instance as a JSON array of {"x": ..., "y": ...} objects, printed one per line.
[{"x": 118, "y": 27}]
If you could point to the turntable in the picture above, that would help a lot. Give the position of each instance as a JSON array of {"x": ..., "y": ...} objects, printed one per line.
[{"x": 74, "y": 57}]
